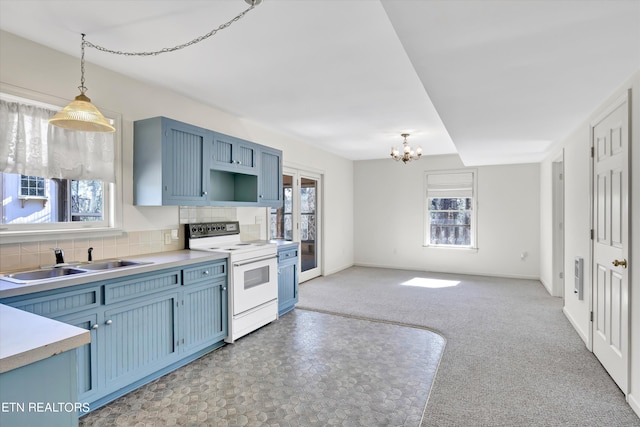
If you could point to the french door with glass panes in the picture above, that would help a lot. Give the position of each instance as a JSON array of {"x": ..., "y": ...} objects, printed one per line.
[{"x": 298, "y": 220}]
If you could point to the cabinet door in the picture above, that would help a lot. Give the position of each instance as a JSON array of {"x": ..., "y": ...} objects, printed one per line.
[
  {"x": 86, "y": 355},
  {"x": 287, "y": 286},
  {"x": 270, "y": 178},
  {"x": 205, "y": 315},
  {"x": 233, "y": 154},
  {"x": 139, "y": 339},
  {"x": 185, "y": 148}
]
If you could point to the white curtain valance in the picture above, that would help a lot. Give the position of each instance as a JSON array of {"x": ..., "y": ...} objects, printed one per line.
[{"x": 30, "y": 146}]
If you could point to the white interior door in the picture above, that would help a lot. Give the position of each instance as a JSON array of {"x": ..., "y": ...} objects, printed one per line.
[
  {"x": 299, "y": 219},
  {"x": 610, "y": 278}
]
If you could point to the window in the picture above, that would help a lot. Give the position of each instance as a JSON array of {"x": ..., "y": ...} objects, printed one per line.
[
  {"x": 31, "y": 186},
  {"x": 54, "y": 181},
  {"x": 450, "y": 213}
]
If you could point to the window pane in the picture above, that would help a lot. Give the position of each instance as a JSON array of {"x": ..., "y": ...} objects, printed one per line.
[
  {"x": 86, "y": 200},
  {"x": 450, "y": 221},
  {"x": 36, "y": 200}
]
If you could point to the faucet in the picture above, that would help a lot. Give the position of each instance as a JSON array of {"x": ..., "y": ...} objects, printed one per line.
[
  {"x": 89, "y": 257},
  {"x": 59, "y": 253}
]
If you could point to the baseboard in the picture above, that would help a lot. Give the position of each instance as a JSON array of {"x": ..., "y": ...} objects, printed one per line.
[
  {"x": 634, "y": 403},
  {"x": 468, "y": 273},
  {"x": 575, "y": 326},
  {"x": 548, "y": 288},
  {"x": 336, "y": 270}
]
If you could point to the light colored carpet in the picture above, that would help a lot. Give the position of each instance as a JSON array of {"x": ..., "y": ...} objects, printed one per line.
[{"x": 511, "y": 357}]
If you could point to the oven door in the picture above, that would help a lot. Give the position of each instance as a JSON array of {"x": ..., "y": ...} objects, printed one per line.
[{"x": 255, "y": 282}]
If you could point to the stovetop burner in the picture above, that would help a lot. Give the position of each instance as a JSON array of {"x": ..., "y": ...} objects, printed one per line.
[{"x": 223, "y": 237}]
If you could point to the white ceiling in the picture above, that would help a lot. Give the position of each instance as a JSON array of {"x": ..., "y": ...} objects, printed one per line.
[{"x": 497, "y": 81}]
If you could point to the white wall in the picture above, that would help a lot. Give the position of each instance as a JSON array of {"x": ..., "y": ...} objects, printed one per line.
[
  {"x": 389, "y": 212},
  {"x": 36, "y": 68},
  {"x": 577, "y": 164}
]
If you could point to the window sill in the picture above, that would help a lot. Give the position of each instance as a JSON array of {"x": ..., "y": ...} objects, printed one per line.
[
  {"x": 451, "y": 248},
  {"x": 21, "y": 236},
  {"x": 24, "y": 199}
]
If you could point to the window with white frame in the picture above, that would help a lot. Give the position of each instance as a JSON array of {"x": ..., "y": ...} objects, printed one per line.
[
  {"x": 450, "y": 209},
  {"x": 50, "y": 179}
]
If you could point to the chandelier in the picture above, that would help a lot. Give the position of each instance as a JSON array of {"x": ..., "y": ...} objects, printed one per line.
[
  {"x": 82, "y": 115},
  {"x": 407, "y": 152}
]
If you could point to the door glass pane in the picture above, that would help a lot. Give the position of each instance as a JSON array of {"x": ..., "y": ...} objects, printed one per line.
[
  {"x": 308, "y": 189},
  {"x": 282, "y": 218}
]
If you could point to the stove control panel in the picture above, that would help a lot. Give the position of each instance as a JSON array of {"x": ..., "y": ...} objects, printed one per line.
[{"x": 212, "y": 229}]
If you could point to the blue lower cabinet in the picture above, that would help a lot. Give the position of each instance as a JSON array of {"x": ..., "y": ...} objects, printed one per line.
[
  {"x": 87, "y": 355},
  {"x": 139, "y": 339},
  {"x": 287, "y": 279},
  {"x": 205, "y": 315},
  {"x": 142, "y": 327},
  {"x": 42, "y": 393}
]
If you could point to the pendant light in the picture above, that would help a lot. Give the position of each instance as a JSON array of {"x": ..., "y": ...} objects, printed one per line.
[{"x": 81, "y": 114}]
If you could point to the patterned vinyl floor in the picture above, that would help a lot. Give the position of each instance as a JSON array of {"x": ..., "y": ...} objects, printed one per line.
[{"x": 305, "y": 369}]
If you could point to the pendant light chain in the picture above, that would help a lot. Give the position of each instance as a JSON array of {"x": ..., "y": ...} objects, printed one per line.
[
  {"x": 166, "y": 49},
  {"x": 82, "y": 87}
]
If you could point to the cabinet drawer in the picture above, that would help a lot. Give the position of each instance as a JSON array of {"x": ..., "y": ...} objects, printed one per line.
[
  {"x": 140, "y": 286},
  {"x": 61, "y": 303},
  {"x": 287, "y": 254},
  {"x": 204, "y": 272}
]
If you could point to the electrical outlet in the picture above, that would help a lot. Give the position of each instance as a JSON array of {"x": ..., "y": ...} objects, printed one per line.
[
  {"x": 167, "y": 239},
  {"x": 174, "y": 234}
]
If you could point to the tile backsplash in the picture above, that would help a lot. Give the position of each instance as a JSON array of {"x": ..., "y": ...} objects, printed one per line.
[
  {"x": 20, "y": 256},
  {"x": 35, "y": 254}
]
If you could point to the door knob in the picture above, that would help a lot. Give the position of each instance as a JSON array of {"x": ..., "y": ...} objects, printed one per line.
[{"x": 617, "y": 263}]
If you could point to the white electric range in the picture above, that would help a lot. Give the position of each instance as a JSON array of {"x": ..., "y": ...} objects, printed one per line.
[{"x": 253, "y": 274}]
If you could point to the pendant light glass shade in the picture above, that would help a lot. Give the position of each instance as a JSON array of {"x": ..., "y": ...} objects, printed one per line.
[{"x": 82, "y": 115}]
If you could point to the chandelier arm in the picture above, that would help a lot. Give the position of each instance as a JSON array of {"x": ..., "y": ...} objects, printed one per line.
[{"x": 170, "y": 49}]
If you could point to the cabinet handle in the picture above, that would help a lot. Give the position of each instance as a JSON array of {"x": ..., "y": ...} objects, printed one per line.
[
  {"x": 108, "y": 322},
  {"x": 96, "y": 326},
  {"x": 204, "y": 193},
  {"x": 205, "y": 273},
  {"x": 224, "y": 288}
]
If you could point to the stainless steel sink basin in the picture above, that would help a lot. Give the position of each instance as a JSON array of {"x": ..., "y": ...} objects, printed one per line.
[
  {"x": 108, "y": 265},
  {"x": 34, "y": 275},
  {"x": 28, "y": 277}
]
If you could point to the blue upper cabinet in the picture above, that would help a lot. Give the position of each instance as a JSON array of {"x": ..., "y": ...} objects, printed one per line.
[
  {"x": 169, "y": 163},
  {"x": 175, "y": 163},
  {"x": 234, "y": 154},
  {"x": 270, "y": 178}
]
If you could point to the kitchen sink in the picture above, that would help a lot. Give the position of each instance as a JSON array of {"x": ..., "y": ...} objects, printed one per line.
[
  {"x": 109, "y": 265},
  {"x": 28, "y": 277},
  {"x": 33, "y": 275}
]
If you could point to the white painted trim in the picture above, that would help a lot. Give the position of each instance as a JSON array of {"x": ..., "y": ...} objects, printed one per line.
[
  {"x": 413, "y": 268},
  {"x": 634, "y": 403},
  {"x": 576, "y": 326}
]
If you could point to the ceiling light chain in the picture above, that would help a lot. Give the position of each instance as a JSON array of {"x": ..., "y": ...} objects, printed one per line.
[
  {"x": 81, "y": 115},
  {"x": 227, "y": 24}
]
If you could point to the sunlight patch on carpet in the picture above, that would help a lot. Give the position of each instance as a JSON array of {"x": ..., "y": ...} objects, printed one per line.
[{"x": 424, "y": 282}]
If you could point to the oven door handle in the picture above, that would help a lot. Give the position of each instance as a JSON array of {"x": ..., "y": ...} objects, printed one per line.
[{"x": 251, "y": 261}]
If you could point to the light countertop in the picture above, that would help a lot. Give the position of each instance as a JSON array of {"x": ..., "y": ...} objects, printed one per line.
[
  {"x": 27, "y": 338},
  {"x": 157, "y": 261}
]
